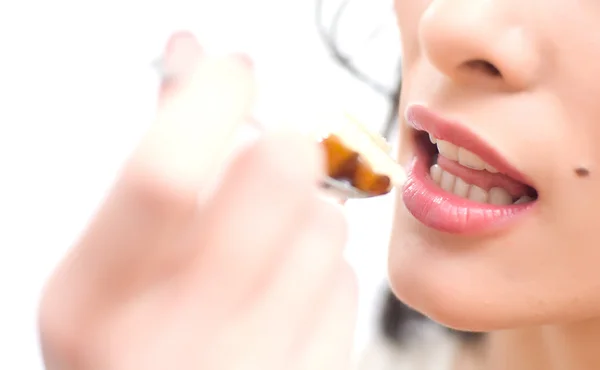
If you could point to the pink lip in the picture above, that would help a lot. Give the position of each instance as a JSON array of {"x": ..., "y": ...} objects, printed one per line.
[
  {"x": 444, "y": 211},
  {"x": 422, "y": 119}
]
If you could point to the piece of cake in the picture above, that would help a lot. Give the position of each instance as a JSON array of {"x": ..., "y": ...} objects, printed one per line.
[{"x": 359, "y": 157}]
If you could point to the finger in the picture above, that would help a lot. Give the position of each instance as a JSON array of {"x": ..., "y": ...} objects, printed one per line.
[
  {"x": 292, "y": 298},
  {"x": 273, "y": 317},
  {"x": 182, "y": 53},
  {"x": 311, "y": 262},
  {"x": 156, "y": 193},
  {"x": 196, "y": 124},
  {"x": 252, "y": 220},
  {"x": 329, "y": 347}
]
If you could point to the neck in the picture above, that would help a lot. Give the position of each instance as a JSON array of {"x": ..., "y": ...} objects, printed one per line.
[{"x": 569, "y": 347}]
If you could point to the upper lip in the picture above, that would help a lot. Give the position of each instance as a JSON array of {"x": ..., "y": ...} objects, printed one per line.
[{"x": 423, "y": 119}]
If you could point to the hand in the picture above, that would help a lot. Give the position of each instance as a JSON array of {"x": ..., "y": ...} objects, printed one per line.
[{"x": 251, "y": 277}]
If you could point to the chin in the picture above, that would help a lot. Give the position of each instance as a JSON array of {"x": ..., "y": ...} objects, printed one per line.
[
  {"x": 451, "y": 310},
  {"x": 454, "y": 309},
  {"x": 454, "y": 282}
]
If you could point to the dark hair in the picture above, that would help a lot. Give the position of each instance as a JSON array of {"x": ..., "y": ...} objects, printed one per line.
[
  {"x": 329, "y": 36},
  {"x": 395, "y": 316}
]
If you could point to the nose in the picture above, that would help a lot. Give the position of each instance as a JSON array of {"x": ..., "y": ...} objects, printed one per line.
[{"x": 477, "y": 41}]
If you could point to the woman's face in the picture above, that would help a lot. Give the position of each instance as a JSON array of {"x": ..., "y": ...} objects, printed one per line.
[{"x": 510, "y": 90}]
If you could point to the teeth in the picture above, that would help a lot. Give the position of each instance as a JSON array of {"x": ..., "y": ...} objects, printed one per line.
[
  {"x": 477, "y": 194},
  {"x": 491, "y": 169},
  {"x": 524, "y": 199},
  {"x": 448, "y": 150},
  {"x": 468, "y": 159},
  {"x": 457, "y": 186},
  {"x": 500, "y": 197},
  {"x": 461, "y": 188},
  {"x": 447, "y": 182},
  {"x": 461, "y": 155},
  {"x": 436, "y": 173}
]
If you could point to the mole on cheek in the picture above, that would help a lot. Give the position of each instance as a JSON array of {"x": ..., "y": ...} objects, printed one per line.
[{"x": 582, "y": 172}]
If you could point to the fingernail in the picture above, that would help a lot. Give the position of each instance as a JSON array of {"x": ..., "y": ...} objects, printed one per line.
[
  {"x": 177, "y": 39},
  {"x": 181, "y": 54}
]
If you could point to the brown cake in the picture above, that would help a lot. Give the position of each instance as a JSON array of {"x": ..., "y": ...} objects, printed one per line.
[{"x": 359, "y": 157}]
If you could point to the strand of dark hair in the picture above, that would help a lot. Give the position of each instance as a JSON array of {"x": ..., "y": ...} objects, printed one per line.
[{"x": 329, "y": 36}]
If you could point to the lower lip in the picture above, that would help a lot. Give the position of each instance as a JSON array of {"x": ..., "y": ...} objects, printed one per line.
[{"x": 446, "y": 212}]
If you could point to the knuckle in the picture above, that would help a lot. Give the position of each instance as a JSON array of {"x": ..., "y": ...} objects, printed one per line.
[{"x": 154, "y": 192}]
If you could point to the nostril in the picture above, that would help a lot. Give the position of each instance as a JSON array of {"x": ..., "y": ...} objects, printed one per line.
[{"x": 483, "y": 66}]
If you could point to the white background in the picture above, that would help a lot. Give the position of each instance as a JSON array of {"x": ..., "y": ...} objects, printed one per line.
[{"x": 77, "y": 90}]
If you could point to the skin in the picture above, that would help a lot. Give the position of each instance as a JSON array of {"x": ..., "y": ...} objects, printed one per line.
[
  {"x": 535, "y": 282},
  {"x": 138, "y": 290},
  {"x": 248, "y": 275}
]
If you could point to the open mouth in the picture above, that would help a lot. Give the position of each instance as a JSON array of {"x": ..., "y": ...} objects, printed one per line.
[
  {"x": 459, "y": 171},
  {"x": 456, "y": 182}
]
